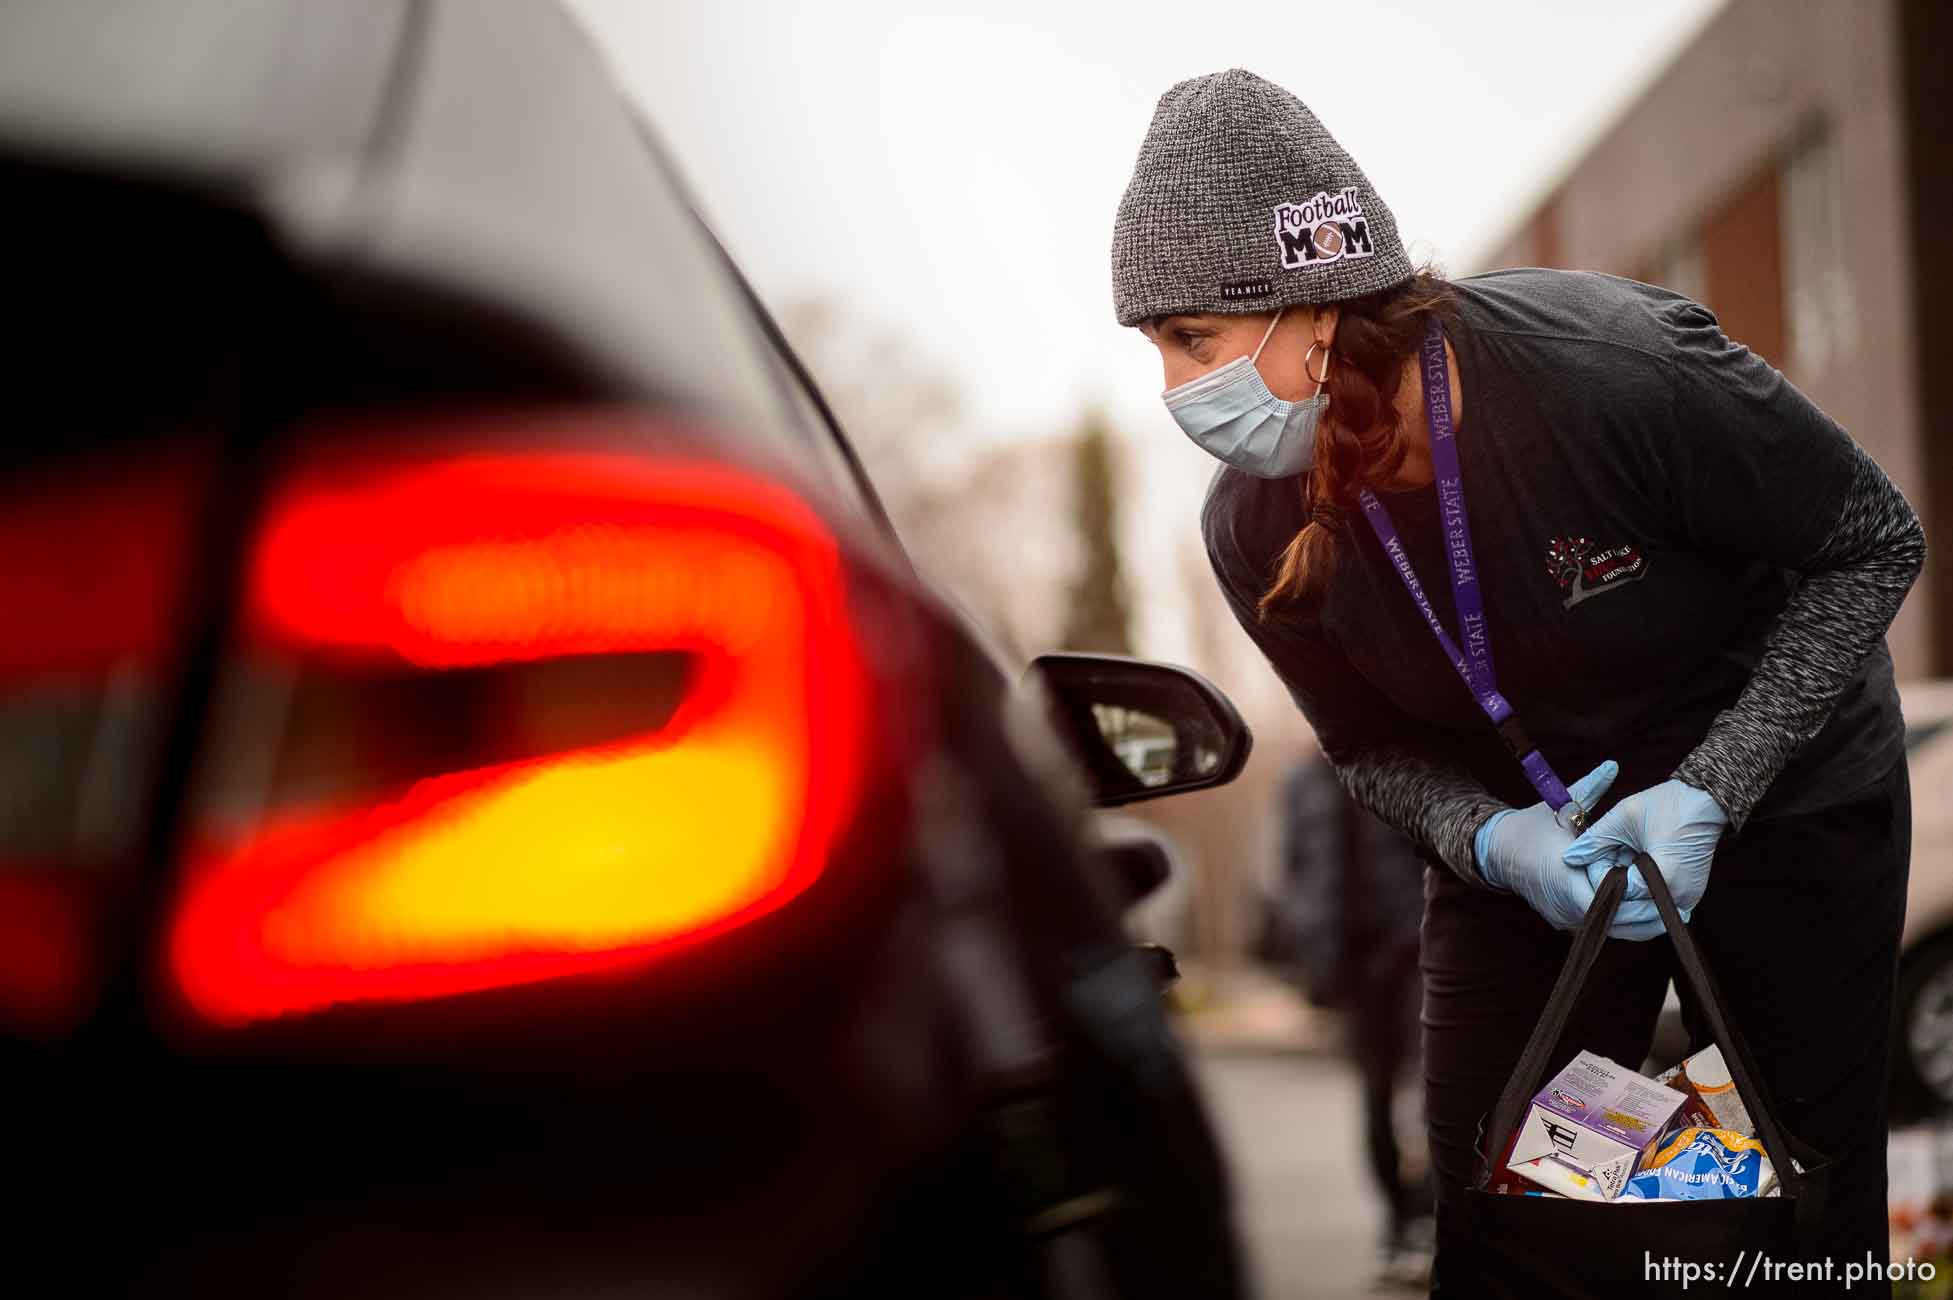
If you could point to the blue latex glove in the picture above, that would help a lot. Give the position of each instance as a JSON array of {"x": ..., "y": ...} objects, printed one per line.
[
  {"x": 1521, "y": 850},
  {"x": 1674, "y": 823}
]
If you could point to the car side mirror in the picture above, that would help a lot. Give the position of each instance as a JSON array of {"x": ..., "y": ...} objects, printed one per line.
[{"x": 1140, "y": 729}]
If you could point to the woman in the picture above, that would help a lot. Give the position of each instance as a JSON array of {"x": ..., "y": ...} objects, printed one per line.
[{"x": 1667, "y": 570}]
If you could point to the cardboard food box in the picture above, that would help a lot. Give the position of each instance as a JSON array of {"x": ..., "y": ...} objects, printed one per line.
[{"x": 1597, "y": 1118}]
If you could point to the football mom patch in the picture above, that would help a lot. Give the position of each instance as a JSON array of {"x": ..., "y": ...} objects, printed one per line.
[{"x": 1327, "y": 228}]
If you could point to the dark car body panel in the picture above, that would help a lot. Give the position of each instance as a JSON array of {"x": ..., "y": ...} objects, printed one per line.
[{"x": 244, "y": 224}]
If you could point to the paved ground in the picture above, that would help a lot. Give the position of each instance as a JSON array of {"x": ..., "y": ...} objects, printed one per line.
[{"x": 1291, "y": 1123}]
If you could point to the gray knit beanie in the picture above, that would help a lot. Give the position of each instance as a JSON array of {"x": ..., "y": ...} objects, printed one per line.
[{"x": 1242, "y": 202}]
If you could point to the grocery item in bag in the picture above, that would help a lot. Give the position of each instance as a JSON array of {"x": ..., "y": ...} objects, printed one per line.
[
  {"x": 1562, "y": 1178},
  {"x": 1597, "y": 1118},
  {"x": 1705, "y": 1076},
  {"x": 1704, "y": 1164}
]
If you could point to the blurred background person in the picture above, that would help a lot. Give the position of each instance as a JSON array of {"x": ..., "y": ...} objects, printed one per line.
[{"x": 1343, "y": 923}]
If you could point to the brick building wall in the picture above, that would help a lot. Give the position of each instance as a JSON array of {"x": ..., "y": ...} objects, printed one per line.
[{"x": 1770, "y": 173}]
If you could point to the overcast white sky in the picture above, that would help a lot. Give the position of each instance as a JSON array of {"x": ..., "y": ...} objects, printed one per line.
[{"x": 951, "y": 169}]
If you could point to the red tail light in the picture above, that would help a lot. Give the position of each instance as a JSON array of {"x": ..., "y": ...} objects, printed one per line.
[{"x": 724, "y": 808}]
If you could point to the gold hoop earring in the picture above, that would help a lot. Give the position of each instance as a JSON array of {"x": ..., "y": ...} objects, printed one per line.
[{"x": 1317, "y": 343}]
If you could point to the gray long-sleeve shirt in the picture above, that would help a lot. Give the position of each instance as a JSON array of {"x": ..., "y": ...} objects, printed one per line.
[{"x": 1686, "y": 567}]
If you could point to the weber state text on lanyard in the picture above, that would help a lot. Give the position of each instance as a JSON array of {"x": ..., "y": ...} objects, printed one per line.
[{"x": 1474, "y": 660}]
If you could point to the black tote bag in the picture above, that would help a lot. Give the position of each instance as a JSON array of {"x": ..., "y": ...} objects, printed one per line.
[{"x": 1533, "y": 1246}]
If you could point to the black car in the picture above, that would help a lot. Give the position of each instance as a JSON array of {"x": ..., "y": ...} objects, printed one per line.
[{"x": 485, "y": 806}]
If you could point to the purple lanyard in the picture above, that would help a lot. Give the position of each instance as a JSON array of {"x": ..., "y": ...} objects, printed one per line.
[{"x": 1474, "y": 662}]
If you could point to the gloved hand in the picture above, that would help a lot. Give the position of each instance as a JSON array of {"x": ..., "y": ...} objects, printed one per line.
[
  {"x": 1521, "y": 850},
  {"x": 1674, "y": 823}
]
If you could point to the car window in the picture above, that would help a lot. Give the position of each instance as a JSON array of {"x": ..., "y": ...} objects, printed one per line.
[
  {"x": 804, "y": 413},
  {"x": 558, "y": 200},
  {"x": 809, "y": 409}
]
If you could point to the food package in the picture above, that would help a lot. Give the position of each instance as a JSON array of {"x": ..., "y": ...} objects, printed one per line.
[
  {"x": 1695, "y": 1112},
  {"x": 1705, "y": 1079},
  {"x": 1598, "y": 1119},
  {"x": 1704, "y": 1164},
  {"x": 1565, "y": 1181}
]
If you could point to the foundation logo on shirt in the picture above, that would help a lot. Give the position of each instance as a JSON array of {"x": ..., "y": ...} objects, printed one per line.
[
  {"x": 1580, "y": 571},
  {"x": 1327, "y": 228}
]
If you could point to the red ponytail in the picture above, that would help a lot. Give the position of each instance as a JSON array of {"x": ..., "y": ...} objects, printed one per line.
[{"x": 1361, "y": 441}]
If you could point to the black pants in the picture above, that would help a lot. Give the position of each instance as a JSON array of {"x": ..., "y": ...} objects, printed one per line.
[
  {"x": 1383, "y": 1044},
  {"x": 1800, "y": 925}
]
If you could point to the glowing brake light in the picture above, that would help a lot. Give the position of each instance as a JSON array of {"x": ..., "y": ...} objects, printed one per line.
[{"x": 568, "y": 861}]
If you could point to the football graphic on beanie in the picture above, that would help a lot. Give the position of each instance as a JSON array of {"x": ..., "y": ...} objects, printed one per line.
[{"x": 1327, "y": 228}]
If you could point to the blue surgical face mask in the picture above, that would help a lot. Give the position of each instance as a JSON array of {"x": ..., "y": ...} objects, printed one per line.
[{"x": 1231, "y": 414}]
